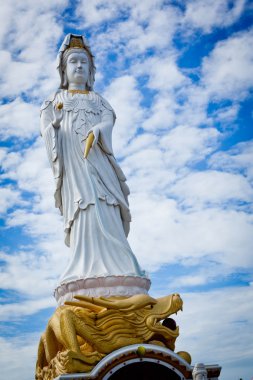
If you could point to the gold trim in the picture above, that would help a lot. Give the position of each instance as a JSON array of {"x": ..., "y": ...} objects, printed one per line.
[{"x": 78, "y": 92}]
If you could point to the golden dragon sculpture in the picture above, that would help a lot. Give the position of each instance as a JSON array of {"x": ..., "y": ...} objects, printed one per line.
[{"x": 80, "y": 333}]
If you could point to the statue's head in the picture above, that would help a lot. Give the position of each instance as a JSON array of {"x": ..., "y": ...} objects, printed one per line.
[{"x": 76, "y": 62}]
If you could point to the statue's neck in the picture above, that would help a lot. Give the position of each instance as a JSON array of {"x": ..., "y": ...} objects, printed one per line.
[{"x": 79, "y": 87}]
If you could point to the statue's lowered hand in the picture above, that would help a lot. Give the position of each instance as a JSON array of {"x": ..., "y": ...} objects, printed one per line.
[
  {"x": 58, "y": 115},
  {"x": 89, "y": 142}
]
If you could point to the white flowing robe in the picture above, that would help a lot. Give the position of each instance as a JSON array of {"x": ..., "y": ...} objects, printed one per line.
[{"x": 91, "y": 193}]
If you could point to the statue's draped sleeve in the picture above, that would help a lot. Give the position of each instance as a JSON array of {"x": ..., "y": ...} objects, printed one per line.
[
  {"x": 103, "y": 130},
  {"x": 103, "y": 136},
  {"x": 53, "y": 145}
]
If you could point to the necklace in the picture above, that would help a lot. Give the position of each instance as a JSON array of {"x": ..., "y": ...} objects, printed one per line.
[{"x": 78, "y": 91}]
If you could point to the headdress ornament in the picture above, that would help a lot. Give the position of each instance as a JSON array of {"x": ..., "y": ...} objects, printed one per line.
[{"x": 76, "y": 42}]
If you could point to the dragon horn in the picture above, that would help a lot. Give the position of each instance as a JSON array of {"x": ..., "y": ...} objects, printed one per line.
[{"x": 85, "y": 305}]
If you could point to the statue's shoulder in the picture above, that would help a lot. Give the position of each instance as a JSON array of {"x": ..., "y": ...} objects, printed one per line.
[
  {"x": 49, "y": 100},
  {"x": 105, "y": 103}
]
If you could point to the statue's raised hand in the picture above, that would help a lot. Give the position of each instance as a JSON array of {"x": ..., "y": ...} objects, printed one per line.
[{"x": 58, "y": 115}]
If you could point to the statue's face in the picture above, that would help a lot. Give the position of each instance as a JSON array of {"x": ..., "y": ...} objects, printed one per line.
[{"x": 77, "y": 68}]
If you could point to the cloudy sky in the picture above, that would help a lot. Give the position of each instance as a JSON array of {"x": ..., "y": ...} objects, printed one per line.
[{"x": 179, "y": 75}]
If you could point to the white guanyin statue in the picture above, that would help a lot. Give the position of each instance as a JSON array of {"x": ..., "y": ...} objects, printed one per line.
[{"x": 91, "y": 189}]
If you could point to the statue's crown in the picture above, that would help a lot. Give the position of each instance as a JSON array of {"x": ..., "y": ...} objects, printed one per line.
[{"x": 76, "y": 42}]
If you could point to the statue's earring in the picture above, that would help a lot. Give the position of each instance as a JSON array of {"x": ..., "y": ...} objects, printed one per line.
[
  {"x": 65, "y": 80},
  {"x": 89, "y": 84}
]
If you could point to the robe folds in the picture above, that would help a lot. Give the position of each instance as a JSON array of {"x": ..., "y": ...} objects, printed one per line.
[{"x": 91, "y": 193}]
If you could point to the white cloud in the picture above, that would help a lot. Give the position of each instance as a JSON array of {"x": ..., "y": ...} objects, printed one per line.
[
  {"x": 191, "y": 280},
  {"x": 194, "y": 108},
  {"x": 28, "y": 48},
  {"x": 146, "y": 166},
  {"x": 34, "y": 270},
  {"x": 8, "y": 159},
  {"x": 146, "y": 169},
  {"x": 31, "y": 266},
  {"x": 33, "y": 172},
  {"x": 144, "y": 25},
  {"x": 14, "y": 311},
  {"x": 163, "y": 72},
  {"x": 97, "y": 11},
  {"x": 162, "y": 113},
  {"x": 162, "y": 233},
  {"x": 155, "y": 13},
  {"x": 35, "y": 224},
  {"x": 125, "y": 98},
  {"x": 19, "y": 119},
  {"x": 161, "y": 25},
  {"x": 238, "y": 159},
  {"x": 9, "y": 197},
  {"x": 187, "y": 145},
  {"x": 226, "y": 117},
  {"x": 29, "y": 168},
  {"x": 22, "y": 352},
  {"x": 212, "y": 187},
  {"x": 17, "y": 76},
  {"x": 153, "y": 163},
  {"x": 209, "y": 14},
  {"x": 227, "y": 73}
]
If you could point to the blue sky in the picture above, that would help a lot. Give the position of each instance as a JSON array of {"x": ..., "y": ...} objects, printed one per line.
[{"x": 179, "y": 75}]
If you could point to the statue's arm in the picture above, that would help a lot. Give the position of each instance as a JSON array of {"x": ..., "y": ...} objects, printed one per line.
[
  {"x": 102, "y": 132},
  {"x": 49, "y": 133}
]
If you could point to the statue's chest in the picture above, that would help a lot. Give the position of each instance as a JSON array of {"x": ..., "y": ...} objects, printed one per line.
[
  {"x": 82, "y": 122},
  {"x": 80, "y": 115},
  {"x": 83, "y": 114}
]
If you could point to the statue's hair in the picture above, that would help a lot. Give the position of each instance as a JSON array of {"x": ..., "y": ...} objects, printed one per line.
[{"x": 63, "y": 63}]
